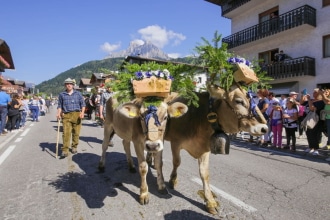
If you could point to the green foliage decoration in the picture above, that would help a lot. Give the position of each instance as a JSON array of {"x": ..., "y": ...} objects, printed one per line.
[
  {"x": 215, "y": 57},
  {"x": 182, "y": 80}
]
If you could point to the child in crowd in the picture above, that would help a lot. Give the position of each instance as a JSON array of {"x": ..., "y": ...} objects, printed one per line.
[
  {"x": 276, "y": 118},
  {"x": 290, "y": 123}
]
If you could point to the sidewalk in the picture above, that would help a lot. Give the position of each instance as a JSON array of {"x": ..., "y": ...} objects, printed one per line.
[{"x": 301, "y": 145}]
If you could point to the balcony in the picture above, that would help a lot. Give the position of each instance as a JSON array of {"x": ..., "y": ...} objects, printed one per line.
[
  {"x": 292, "y": 19},
  {"x": 302, "y": 66}
]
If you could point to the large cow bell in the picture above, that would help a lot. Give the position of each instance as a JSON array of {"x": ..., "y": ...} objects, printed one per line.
[{"x": 220, "y": 143}]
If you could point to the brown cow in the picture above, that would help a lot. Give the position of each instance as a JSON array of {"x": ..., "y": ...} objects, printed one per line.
[
  {"x": 193, "y": 131},
  {"x": 145, "y": 127}
]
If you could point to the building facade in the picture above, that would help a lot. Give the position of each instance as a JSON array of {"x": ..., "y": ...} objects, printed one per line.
[{"x": 261, "y": 29}]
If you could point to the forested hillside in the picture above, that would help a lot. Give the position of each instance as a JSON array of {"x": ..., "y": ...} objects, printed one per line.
[{"x": 55, "y": 85}]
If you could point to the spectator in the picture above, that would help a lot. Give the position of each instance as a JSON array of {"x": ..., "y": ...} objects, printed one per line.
[
  {"x": 314, "y": 136},
  {"x": 273, "y": 22},
  {"x": 34, "y": 108},
  {"x": 302, "y": 112},
  {"x": 263, "y": 106},
  {"x": 4, "y": 102},
  {"x": 281, "y": 56},
  {"x": 276, "y": 118},
  {"x": 290, "y": 123},
  {"x": 42, "y": 106},
  {"x": 24, "y": 113},
  {"x": 272, "y": 99},
  {"x": 104, "y": 98},
  {"x": 326, "y": 99},
  {"x": 48, "y": 104},
  {"x": 13, "y": 113},
  {"x": 282, "y": 101}
]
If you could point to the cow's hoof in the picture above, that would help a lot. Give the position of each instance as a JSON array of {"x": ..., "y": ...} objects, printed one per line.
[
  {"x": 213, "y": 211},
  {"x": 101, "y": 169},
  {"x": 163, "y": 191},
  {"x": 212, "y": 207},
  {"x": 144, "y": 199}
]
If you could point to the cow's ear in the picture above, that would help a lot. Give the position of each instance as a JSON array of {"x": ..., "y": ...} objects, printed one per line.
[
  {"x": 129, "y": 110},
  {"x": 177, "y": 109},
  {"x": 216, "y": 92}
]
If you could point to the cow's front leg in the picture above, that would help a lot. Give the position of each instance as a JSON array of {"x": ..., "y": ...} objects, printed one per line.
[
  {"x": 211, "y": 204},
  {"x": 143, "y": 169},
  {"x": 160, "y": 177},
  {"x": 176, "y": 161}
]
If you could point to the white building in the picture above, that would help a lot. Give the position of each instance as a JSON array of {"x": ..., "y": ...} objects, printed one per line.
[{"x": 301, "y": 28}]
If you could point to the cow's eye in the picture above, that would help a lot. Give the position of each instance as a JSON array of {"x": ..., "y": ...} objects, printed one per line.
[
  {"x": 240, "y": 101},
  {"x": 165, "y": 118}
]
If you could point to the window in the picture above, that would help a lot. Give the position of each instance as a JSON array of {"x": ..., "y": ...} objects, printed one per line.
[
  {"x": 326, "y": 46},
  {"x": 325, "y": 3}
]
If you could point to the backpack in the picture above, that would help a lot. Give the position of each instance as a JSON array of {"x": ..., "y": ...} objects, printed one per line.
[
  {"x": 274, "y": 122},
  {"x": 92, "y": 100},
  {"x": 301, "y": 111}
]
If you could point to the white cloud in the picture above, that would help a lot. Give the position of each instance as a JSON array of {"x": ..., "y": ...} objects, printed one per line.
[
  {"x": 160, "y": 36},
  {"x": 174, "y": 55},
  {"x": 108, "y": 48},
  {"x": 137, "y": 42}
]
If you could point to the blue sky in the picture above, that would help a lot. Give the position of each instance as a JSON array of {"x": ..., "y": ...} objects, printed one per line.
[{"x": 48, "y": 37}]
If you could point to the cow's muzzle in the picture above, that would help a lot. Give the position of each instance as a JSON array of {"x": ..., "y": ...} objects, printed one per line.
[{"x": 154, "y": 146}]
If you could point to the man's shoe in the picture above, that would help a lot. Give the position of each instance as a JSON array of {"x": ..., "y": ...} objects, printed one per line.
[{"x": 63, "y": 155}]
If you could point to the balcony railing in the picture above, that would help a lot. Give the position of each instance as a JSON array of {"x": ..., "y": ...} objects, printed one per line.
[
  {"x": 289, "y": 20},
  {"x": 302, "y": 66}
]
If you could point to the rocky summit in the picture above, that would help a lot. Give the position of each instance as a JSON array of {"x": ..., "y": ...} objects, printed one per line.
[{"x": 147, "y": 50}]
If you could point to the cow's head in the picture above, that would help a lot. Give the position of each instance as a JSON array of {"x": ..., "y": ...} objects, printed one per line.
[
  {"x": 153, "y": 120},
  {"x": 236, "y": 111}
]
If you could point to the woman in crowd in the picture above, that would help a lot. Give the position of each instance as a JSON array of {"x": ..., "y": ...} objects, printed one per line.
[
  {"x": 326, "y": 99},
  {"x": 34, "y": 108},
  {"x": 314, "y": 135},
  {"x": 290, "y": 123},
  {"x": 13, "y": 113},
  {"x": 263, "y": 106}
]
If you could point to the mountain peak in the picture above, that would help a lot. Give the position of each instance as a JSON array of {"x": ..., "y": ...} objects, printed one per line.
[{"x": 142, "y": 48}]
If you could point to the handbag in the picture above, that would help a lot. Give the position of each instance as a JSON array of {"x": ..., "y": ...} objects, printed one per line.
[
  {"x": 13, "y": 111},
  {"x": 310, "y": 120}
]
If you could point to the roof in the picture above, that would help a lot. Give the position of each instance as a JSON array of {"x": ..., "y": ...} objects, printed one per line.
[
  {"x": 6, "y": 61},
  {"x": 85, "y": 81},
  {"x": 140, "y": 60}
]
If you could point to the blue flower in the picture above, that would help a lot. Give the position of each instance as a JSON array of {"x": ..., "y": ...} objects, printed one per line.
[
  {"x": 139, "y": 75},
  {"x": 233, "y": 60},
  {"x": 165, "y": 74}
]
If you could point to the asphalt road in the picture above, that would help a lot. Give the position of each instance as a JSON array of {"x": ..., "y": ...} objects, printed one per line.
[{"x": 250, "y": 182}]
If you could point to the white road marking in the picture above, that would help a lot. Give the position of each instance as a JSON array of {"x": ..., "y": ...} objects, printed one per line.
[
  {"x": 226, "y": 196},
  {"x": 6, "y": 153},
  {"x": 25, "y": 132},
  {"x": 18, "y": 139}
]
